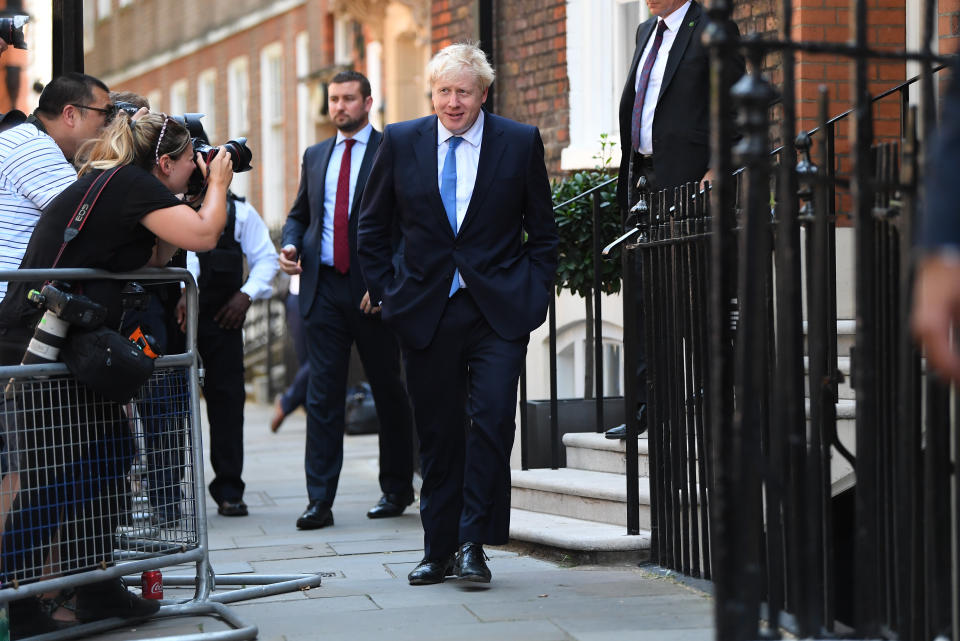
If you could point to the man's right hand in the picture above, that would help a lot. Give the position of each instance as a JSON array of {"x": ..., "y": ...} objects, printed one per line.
[{"x": 288, "y": 260}]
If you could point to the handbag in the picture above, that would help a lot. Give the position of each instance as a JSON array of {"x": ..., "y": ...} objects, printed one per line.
[
  {"x": 107, "y": 362},
  {"x": 103, "y": 359}
]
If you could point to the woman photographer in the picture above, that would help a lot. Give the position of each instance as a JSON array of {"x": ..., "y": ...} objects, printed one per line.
[{"x": 85, "y": 441}]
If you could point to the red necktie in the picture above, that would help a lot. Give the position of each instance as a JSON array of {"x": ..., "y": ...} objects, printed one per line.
[
  {"x": 644, "y": 81},
  {"x": 341, "y": 210}
]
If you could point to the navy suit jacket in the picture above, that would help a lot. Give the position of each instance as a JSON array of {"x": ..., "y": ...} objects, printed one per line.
[
  {"x": 940, "y": 224},
  {"x": 681, "y": 123},
  {"x": 509, "y": 279},
  {"x": 304, "y": 226}
]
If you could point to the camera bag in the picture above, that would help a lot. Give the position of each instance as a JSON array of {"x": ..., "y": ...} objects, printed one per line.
[{"x": 103, "y": 359}]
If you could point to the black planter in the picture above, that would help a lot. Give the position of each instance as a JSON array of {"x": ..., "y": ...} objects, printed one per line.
[{"x": 574, "y": 415}]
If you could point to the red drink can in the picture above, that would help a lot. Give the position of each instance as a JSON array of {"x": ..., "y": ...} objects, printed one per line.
[{"x": 151, "y": 584}]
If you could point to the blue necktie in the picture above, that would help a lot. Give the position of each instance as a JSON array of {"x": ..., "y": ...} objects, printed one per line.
[{"x": 448, "y": 194}]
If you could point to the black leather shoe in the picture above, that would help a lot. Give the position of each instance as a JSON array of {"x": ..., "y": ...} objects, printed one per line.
[
  {"x": 389, "y": 505},
  {"x": 620, "y": 431},
  {"x": 316, "y": 516},
  {"x": 430, "y": 572},
  {"x": 471, "y": 563},
  {"x": 232, "y": 508},
  {"x": 111, "y": 598}
]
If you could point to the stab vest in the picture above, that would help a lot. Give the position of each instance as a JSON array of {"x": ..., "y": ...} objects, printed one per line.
[{"x": 221, "y": 268}]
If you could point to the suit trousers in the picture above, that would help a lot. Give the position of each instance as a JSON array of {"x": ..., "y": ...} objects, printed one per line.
[
  {"x": 222, "y": 354},
  {"x": 464, "y": 391},
  {"x": 332, "y": 325}
]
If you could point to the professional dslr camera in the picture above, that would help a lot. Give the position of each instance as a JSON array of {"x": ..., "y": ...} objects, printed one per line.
[
  {"x": 11, "y": 30},
  {"x": 61, "y": 310},
  {"x": 240, "y": 154}
]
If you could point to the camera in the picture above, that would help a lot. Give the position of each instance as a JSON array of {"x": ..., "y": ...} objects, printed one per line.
[
  {"x": 11, "y": 30},
  {"x": 240, "y": 154},
  {"x": 62, "y": 309}
]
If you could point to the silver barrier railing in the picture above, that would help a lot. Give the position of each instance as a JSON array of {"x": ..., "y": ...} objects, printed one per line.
[{"x": 70, "y": 482}]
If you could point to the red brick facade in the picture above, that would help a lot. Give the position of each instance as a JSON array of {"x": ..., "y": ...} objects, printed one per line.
[{"x": 531, "y": 56}]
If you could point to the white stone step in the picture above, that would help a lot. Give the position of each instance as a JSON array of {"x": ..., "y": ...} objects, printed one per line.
[
  {"x": 565, "y": 533},
  {"x": 581, "y": 494},
  {"x": 595, "y": 452}
]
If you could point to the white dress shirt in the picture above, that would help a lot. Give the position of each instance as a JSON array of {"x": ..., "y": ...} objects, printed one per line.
[
  {"x": 468, "y": 159},
  {"x": 674, "y": 22},
  {"x": 330, "y": 185},
  {"x": 251, "y": 232}
]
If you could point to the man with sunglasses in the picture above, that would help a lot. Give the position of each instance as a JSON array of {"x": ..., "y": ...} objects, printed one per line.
[{"x": 35, "y": 157}]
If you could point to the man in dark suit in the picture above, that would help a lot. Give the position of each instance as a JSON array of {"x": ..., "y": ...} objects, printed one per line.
[
  {"x": 463, "y": 186},
  {"x": 936, "y": 307},
  {"x": 320, "y": 244},
  {"x": 665, "y": 117}
]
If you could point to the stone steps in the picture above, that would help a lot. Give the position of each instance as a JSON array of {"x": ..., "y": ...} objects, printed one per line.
[
  {"x": 594, "y": 452},
  {"x": 581, "y": 494}
]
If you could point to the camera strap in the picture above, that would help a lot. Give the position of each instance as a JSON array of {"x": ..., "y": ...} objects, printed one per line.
[{"x": 82, "y": 212}]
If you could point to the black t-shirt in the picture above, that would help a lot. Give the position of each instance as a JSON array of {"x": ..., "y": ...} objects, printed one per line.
[{"x": 112, "y": 239}]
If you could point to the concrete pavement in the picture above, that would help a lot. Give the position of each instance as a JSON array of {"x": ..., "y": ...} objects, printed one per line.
[{"x": 365, "y": 594}]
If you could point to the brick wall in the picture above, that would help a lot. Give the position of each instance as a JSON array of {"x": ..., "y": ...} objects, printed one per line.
[
  {"x": 531, "y": 55},
  {"x": 453, "y": 21},
  {"x": 249, "y": 43},
  {"x": 948, "y": 25}
]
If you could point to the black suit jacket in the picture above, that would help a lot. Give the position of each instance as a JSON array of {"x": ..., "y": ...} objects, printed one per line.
[
  {"x": 509, "y": 279},
  {"x": 681, "y": 122},
  {"x": 304, "y": 226}
]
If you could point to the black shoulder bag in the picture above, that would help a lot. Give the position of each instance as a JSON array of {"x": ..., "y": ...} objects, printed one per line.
[{"x": 102, "y": 359}]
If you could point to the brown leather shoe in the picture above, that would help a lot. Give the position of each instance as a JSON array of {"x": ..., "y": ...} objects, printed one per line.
[{"x": 278, "y": 415}]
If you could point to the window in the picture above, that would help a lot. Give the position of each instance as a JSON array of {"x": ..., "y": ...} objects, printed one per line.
[
  {"x": 207, "y": 102},
  {"x": 124, "y": 3},
  {"x": 273, "y": 201},
  {"x": 305, "y": 132},
  {"x": 89, "y": 31},
  {"x": 595, "y": 90},
  {"x": 178, "y": 98},
  {"x": 238, "y": 122},
  {"x": 374, "y": 73},
  {"x": 343, "y": 40},
  {"x": 155, "y": 98},
  {"x": 103, "y": 9},
  {"x": 572, "y": 360}
]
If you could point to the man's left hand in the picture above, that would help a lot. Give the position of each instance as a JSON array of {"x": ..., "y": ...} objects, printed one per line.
[
  {"x": 234, "y": 312},
  {"x": 366, "y": 306}
]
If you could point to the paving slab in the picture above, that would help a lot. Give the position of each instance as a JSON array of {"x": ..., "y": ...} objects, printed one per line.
[{"x": 364, "y": 595}]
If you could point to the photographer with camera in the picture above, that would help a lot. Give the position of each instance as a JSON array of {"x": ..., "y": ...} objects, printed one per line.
[
  {"x": 137, "y": 221},
  {"x": 35, "y": 157}
]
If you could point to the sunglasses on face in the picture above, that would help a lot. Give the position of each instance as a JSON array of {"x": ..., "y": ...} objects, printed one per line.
[{"x": 109, "y": 111}]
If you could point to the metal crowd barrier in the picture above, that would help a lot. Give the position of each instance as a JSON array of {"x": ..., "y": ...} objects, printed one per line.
[{"x": 67, "y": 476}]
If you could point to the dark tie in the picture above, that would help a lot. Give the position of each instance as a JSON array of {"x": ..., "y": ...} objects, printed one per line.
[
  {"x": 341, "y": 209},
  {"x": 644, "y": 81},
  {"x": 448, "y": 194}
]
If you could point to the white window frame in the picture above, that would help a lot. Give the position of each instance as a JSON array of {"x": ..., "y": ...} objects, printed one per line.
[
  {"x": 155, "y": 98},
  {"x": 595, "y": 90},
  {"x": 238, "y": 113},
  {"x": 207, "y": 101},
  {"x": 343, "y": 40},
  {"x": 104, "y": 9},
  {"x": 375, "y": 76},
  {"x": 273, "y": 199},
  {"x": 305, "y": 131},
  {"x": 177, "y": 103}
]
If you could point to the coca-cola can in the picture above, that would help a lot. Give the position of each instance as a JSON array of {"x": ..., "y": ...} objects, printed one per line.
[{"x": 151, "y": 583}]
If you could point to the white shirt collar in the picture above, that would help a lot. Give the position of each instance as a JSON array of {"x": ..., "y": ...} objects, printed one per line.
[
  {"x": 473, "y": 135},
  {"x": 675, "y": 19},
  {"x": 362, "y": 136}
]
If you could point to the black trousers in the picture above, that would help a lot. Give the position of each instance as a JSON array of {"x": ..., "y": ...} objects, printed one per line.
[
  {"x": 464, "y": 392},
  {"x": 222, "y": 354},
  {"x": 332, "y": 326}
]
